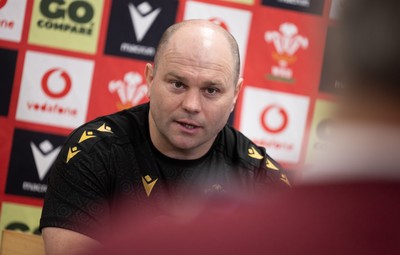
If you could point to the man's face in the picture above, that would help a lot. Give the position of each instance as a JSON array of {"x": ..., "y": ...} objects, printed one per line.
[{"x": 192, "y": 93}]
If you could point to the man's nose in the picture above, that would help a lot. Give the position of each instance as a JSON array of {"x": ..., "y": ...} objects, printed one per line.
[{"x": 192, "y": 101}]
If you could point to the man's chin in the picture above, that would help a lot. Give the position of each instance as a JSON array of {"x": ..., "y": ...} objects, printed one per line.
[{"x": 187, "y": 147}]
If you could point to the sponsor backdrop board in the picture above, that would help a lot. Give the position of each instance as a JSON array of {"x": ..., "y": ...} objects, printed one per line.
[
  {"x": 20, "y": 217},
  {"x": 66, "y": 62},
  {"x": 8, "y": 61},
  {"x": 39, "y": 150},
  {"x": 12, "y": 14},
  {"x": 322, "y": 128},
  {"x": 236, "y": 21},
  {"x": 136, "y": 26},
  {"x": 70, "y": 25},
  {"x": 275, "y": 120},
  {"x": 307, "y": 6},
  {"x": 56, "y": 92}
]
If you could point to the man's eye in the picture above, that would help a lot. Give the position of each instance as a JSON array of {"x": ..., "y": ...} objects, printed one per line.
[
  {"x": 177, "y": 84},
  {"x": 211, "y": 91}
]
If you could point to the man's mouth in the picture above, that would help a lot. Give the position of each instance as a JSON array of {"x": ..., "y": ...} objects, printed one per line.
[{"x": 188, "y": 125}]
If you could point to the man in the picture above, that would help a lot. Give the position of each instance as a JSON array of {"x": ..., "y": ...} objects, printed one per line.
[{"x": 176, "y": 146}]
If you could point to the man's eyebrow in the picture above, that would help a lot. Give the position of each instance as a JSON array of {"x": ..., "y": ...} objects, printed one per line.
[
  {"x": 214, "y": 83},
  {"x": 176, "y": 76},
  {"x": 185, "y": 80}
]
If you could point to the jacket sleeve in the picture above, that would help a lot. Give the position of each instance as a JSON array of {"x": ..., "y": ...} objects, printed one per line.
[{"x": 78, "y": 186}]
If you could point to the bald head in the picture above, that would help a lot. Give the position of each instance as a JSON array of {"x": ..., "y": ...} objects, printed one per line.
[
  {"x": 193, "y": 88},
  {"x": 201, "y": 33}
]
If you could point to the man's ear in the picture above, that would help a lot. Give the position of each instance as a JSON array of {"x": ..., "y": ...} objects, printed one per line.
[
  {"x": 237, "y": 90},
  {"x": 149, "y": 74}
]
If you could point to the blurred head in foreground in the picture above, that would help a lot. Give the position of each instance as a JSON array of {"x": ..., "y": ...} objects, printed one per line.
[
  {"x": 369, "y": 45},
  {"x": 346, "y": 216},
  {"x": 366, "y": 135}
]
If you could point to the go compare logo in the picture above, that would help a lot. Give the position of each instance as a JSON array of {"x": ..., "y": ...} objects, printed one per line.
[
  {"x": 68, "y": 24},
  {"x": 79, "y": 12}
]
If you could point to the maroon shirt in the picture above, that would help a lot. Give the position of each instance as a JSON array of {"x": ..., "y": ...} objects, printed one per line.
[{"x": 350, "y": 218}]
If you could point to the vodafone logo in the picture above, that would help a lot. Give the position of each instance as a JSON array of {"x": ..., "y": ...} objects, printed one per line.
[
  {"x": 274, "y": 119},
  {"x": 12, "y": 15},
  {"x": 56, "y": 83},
  {"x": 6, "y": 23},
  {"x": 2, "y": 3},
  {"x": 56, "y": 89},
  {"x": 220, "y": 23}
]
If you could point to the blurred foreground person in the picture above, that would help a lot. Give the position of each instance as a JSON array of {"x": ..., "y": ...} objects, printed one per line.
[
  {"x": 350, "y": 202},
  {"x": 145, "y": 159}
]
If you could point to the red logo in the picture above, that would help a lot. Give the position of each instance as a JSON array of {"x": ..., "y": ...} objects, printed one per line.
[
  {"x": 49, "y": 90},
  {"x": 220, "y": 23},
  {"x": 2, "y": 3},
  {"x": 287, "y": 41},
  {"x": 265, "y": 123},
  {"x": 131, "y": 90}
]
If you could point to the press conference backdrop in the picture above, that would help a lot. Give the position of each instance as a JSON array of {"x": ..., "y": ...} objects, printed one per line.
[{"x": 65, "y": 62}]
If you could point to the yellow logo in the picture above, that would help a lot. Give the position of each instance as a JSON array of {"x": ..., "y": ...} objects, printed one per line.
[
  {"x": 104, "y": 128},
  {"x": 148, "y": 184},
  {"x": 270, "y": 165},
  {"x": 253, "y": 153},
  {"x": 69, "y": 25},
  {"x": 285, "y": 179},
  {"x": 86, "y": 135},
  {"x": 72, "y": 153}
]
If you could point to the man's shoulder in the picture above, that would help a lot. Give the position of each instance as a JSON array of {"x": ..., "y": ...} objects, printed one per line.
[
  {"x": 102, "y": 133},
  {"x": 240, "y": 150},
  {"x": 237, "y": 146}
]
